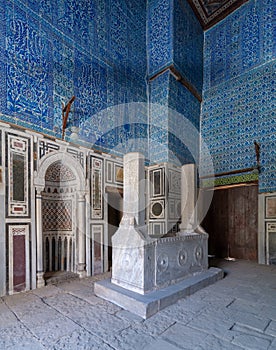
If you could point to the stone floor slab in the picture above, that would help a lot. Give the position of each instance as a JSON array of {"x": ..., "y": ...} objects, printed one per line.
[
  {"x": 73, "y": 318},
  {"x": 161, "y": 345},
  {"x": 184, "y": 337},
  {"x": 251, "y": 342}
]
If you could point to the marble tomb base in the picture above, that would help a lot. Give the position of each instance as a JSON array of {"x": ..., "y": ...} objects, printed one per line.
[
  {"x": 149, "y": 304},
  {"x": 149, "y": 274}
]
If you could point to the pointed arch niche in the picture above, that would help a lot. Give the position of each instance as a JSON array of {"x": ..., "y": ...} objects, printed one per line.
[{"x": 60, "y": 216}]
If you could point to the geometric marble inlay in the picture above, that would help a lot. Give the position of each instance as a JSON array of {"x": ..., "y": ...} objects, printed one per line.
[{"x": 57, "y": 215}]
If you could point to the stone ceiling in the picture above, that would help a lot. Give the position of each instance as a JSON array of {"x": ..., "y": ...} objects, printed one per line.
[{"x": 209, "y": 12}]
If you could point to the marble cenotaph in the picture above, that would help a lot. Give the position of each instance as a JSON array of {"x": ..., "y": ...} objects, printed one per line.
[{"x": 148, "y": 273}]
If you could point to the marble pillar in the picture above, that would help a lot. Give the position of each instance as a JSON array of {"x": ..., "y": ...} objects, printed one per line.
[
  {"x": 81, "y": 268},
  {"x": 188, "y": 198},
  {"x": 39, "y": 240},
  {"x": 134, "y": 187}
]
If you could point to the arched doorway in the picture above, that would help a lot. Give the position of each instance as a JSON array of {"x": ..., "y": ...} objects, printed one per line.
[{"x": 58, "y": 224}]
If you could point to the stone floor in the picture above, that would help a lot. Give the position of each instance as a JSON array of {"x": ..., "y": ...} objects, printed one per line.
[{"x": 238, "y": 312}]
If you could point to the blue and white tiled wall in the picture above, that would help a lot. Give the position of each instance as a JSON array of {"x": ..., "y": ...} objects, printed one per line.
[
  {"x": 188, "y": 44},
  {"x": 184, "y": 112},
  {"x": 175, "y": 39},
  {"x": 160, "y": 35},
  {"x": 52, "y": 50},
  {"x": 239, "y": 92},
  {"x": 174, "y": 122},
  {"x": 103, "y": 52}
]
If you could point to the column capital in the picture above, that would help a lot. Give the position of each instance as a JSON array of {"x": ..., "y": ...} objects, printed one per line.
[
  {"x": 81, "y": 196},
  {"x": 39, "y": 190}
]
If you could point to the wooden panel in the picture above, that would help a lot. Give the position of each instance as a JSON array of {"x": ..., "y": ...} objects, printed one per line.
[
  {"x": 232, "y": 223},
  {"x": 19, "y": 263}
]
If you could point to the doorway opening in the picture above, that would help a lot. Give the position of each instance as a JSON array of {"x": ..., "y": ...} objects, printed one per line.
[
  {"x": 115, "y": 213},
  {"x": 232, "y": 222}
]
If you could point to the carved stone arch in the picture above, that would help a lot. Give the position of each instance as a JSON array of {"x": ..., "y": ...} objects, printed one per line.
[{"x": 71, "y": 163}]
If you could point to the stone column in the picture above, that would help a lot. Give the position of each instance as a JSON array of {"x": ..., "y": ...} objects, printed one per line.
[
  {"x": 62, "y": 254},
  {"x": 68, "y": 258},
  {"x": 56, "y": 253},
  {"x": 81, "y": 234},
  {"x": 134, "y": 187},
  {"x": 44, "y": 253},
  {"x": 188, "y": 197},
  {"x": 39, "y": 242},
  {"x": 50, "y": 253}
]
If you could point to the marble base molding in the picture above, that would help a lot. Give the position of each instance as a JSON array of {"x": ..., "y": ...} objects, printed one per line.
[{"x": 149, "y": 304}]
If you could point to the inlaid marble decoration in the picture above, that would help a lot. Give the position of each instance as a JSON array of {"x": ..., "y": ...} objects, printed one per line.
[
  {"x": 79, "y": 155},
  {"x": 18, "y": 188},
  {"x": 174, "y": 206},
  {"x": 157, "y": 181},
  {"x": 97, "y": 249},
  {"x": 57, "y": 215},
  {"x": 109, "y": 171},
  {"x": 271, "y": 227},
  {"x": 118, "y": 174},
  {"x": 59, "y": 172},
  {"x": 171, "y": 206},
  {"x": 46, "y": 147},
  {"x": 96, "y": 188},
  {"x": 271, "y": 242},
  {"x": 157, "y": 228},
  {"x": 270, "y": 207},
  {"x": 18, "y": 261},
  {"x": 174, "y": 181},
  {"x": 157, "y": 209}
]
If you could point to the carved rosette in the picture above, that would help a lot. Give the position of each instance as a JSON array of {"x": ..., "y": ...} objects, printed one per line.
[
  {"x": 182, "y": 257},
  {"x": 198, "y": 254},
  {"x": 162, "y": 262}
]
